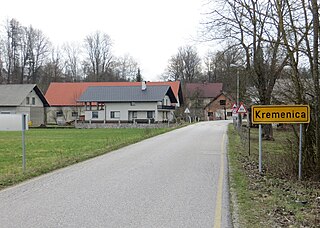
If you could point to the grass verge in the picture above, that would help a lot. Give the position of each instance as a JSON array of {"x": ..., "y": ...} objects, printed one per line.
[
  {"x": 275, "y": 198},
  {"x": 50, "y": 149}
]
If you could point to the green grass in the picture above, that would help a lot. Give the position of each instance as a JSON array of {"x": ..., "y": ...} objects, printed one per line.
[
  {"x": 50, "y": 149},
  {"x": 272, "y": 199},
  {"x": 239, "y": 182}
]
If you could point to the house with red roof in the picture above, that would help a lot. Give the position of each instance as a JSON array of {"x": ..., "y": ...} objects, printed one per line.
[
  {"x": 65, "y": 104},
  {"x": 199, "y": 95},
  {"x": 220, "y": 108}
]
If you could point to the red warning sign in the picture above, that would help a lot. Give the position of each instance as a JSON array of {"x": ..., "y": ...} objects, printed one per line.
[{"x": 241, "y": 108}]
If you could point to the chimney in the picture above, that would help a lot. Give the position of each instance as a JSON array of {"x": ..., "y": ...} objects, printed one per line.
[{"x": 143, "y": 85}]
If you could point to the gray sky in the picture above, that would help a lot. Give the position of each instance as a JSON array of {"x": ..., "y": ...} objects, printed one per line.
[{"x": 149, "y": 30}]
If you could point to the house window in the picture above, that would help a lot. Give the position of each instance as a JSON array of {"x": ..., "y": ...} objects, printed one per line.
[
  {"x": 28, "y": 100},
  {"x": 74, "y": 114},
  {"x": 134, "y": 115},
  {"x": 114, "y": 114},
  {"x": 59, "y": 113},
  {"x": 222, "y": 102},
  {"x": 33, "y": 101},
  {"x": 165, "y": 101},
  {"x": 149, "y": 114},
  {"x": 94, "y": 115},
  {"x": 5, "y": 112}
]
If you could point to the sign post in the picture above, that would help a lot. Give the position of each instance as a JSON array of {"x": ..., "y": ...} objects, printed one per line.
[
  {"x": 260, "y": 148},
  {"x": 267, "y": 114},
  {"x": 24, "y": 123}
]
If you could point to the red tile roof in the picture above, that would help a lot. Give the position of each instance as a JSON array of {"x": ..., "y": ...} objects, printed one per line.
[
  {"x": 67, "y": 93},
  {"x": 205, "y": 90}
]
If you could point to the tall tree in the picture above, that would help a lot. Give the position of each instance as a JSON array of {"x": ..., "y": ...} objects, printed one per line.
[
  {"x": 10, "y": 45},
  {"x": 250, "y": 25},
  {"x": 139, "y": 76},
  {"x": 98, "y": 49},
  {"x": 185, "y": 65},
  {"x": 72, "y": 62},
  {"x": 125, "y": 68}
]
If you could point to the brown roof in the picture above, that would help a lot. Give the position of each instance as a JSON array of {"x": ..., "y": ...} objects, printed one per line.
[
  {"x": 67, "y": 93},
  {"x": 204, "y": 90}
]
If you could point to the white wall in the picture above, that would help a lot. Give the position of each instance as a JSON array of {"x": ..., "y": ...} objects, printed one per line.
[{"x": 124, "y": 109}]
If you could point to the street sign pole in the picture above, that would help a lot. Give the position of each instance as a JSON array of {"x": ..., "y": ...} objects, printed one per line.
[
  {"x": 24, "y": 121},
  {"x": 260, "y": 149},
  {"x": 300, "y": 152}
]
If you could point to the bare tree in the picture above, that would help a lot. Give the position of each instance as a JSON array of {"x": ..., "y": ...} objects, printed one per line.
[
  {"x": 250, "y": 25},
  {"x": 98, "y": 49},
  {"x": 52, "y": 71},
  {"x": 125, "y": 68},
  {"x": 10, "y": 45},
  {"x": 185, "y": 65},
  {"x": 72, "y": 59}
]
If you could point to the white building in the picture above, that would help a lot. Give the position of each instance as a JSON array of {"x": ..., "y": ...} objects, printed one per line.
[{"x": 145, "y": 104}]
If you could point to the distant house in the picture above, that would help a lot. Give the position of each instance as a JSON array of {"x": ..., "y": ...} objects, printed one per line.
[
  {"x": 220, "y": 108},
  {"x": 63, "y": 97},
  {"x": 145, "y": 104},
  {"x": 24, "y": 98},
  {"x": 199, "y": 95}
]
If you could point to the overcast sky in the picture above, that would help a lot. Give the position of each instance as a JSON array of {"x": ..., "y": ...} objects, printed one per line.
[{"x": 151, "y": 31}]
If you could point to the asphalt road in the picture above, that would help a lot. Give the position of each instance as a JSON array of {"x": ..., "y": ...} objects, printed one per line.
[{"x": 178, "y": 179}]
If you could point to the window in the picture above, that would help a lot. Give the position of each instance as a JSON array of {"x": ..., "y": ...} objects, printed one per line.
[
  {"x": 132, "y": 103},
  {"x": 149, "y": 114},
  {"x": 5, "y": 112},
  {"x": 165, "y": 101},
  {"x": 210, "y": 113},
  {"x": 114, "y": 114},
  {"x": 95, "y": 115},
  {"x": 28, "y": 100},
  {"x": 59, "y": 113},
  {"x": 33, "y": 101},
  {"x": 222, "y": 102},
  {"x": 134, "y": 115},
  {"x": 74, "y": 114}
]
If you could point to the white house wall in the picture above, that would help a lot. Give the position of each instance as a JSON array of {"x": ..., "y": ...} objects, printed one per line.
[{"x": 124, "y": 109}]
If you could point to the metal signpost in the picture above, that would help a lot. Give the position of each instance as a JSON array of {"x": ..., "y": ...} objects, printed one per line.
[
  {"x": 16, "y": 122},
  {"x": 267, "y": 114}
]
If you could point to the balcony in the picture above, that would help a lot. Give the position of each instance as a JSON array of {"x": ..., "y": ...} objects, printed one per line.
[{"x": 166, "y": 107}]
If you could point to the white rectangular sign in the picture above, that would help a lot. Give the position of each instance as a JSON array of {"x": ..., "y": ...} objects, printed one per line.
[{"x": 13, "y": 122}]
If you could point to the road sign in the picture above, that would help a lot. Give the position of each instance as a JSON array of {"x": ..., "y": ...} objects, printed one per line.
[
  {"x": 13, "y": 122},
  {"x": 187, "y": 111},
  {"x": 241, "y": 109},
  {"x": 234, "y": 110},
  {"x": 266, "y": 114}
]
